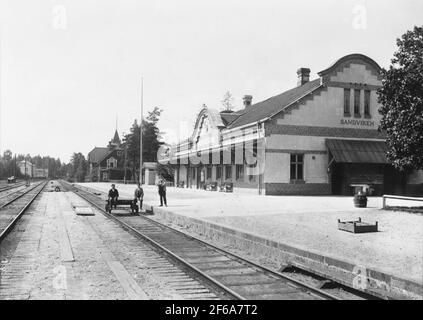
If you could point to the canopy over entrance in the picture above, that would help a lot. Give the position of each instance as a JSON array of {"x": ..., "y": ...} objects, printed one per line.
[{"x": 357, "y": 151}]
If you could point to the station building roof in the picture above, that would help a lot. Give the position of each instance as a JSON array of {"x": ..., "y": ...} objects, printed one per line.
[{"x": 273, "y": 105}]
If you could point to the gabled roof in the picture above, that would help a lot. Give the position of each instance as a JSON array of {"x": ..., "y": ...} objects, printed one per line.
[
  {"x": 273, "y": 105},
  {"x": 276, "y": 104},
  {"x": 97, "y": 154},
  {"x": 109, "y": 152},
  {"x": 215, "y": 117},
  {"x": 228, "y": 117}
]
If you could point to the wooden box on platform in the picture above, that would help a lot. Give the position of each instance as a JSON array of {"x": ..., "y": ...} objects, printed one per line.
[{"x": 357, "y": 226}]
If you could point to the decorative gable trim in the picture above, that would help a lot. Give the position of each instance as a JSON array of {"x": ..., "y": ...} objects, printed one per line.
[
  {"x": 296, "y": 103},
  {"x": 346, "y": 61}
]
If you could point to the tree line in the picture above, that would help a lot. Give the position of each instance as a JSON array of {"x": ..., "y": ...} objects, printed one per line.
[{"x": 9, "y": 165}]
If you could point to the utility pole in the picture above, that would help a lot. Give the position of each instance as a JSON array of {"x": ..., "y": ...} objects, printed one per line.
[
  {"x": 142, "y": 106},
  {"x": 124, "y": 161},
  {"x": 26, "y": 178}
]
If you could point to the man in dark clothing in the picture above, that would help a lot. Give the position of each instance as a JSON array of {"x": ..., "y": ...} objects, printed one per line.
[
  {"x": 113, "y": 196},
  {"x": 139, "y": 195},
  {"x": 162, "y": 193}
]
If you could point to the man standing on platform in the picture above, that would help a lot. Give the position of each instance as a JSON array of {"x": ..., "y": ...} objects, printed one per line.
[
  {"x": 139, "y": 195},
  {"x": 162, "y": 193}
]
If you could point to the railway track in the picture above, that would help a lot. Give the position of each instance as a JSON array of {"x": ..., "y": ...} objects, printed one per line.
[
  {"x": 11, "y": 193},
  {"x": 11, "y": 187},
  {"x": 15, "y": 206},
  {"x": 239, "y": 278}
]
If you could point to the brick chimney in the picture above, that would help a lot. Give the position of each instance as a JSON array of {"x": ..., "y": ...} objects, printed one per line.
[
  {"x": 247, "y": 100},
  {"x": 303, "y": 76}
]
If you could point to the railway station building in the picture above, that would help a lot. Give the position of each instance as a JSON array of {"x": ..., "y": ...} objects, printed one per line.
[{"x": 319, "y": 138}]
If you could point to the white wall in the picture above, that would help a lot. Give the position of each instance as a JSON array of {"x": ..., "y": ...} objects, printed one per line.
[{"x": 277, "y": 168}]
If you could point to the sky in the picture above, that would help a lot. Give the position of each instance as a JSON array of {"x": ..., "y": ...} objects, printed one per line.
[{"x": 70, "y": 68}]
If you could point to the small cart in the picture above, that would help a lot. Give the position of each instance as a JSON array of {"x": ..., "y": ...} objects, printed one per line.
[{"x": 120, "y": 203}]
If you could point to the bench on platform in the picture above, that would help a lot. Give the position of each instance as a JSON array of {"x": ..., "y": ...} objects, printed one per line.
[
  {"x": 122, "y": 203},
  {"x": 387, "y": 196}
]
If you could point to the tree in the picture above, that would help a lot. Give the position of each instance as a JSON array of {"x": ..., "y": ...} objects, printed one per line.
[
  {"x": 401, "y": 96},
  {"x": 7, "y": 156},
  {"x": 9, "y": 165},
  {"x": 132, "y": 141},
  {"x": 227, "y": 102},
  {"x": 2, "y": 170},
  {"x": 78, "y": 167},
  {"x": 151, "y": 136}
]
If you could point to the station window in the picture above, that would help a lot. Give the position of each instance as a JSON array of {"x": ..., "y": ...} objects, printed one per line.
[
  {"x": 297, "y": 167},
  {"x": 356, "y": 102},
  {"x": 367, "y": 103},
  {"x": 228, "y": 172},
  {"x": 239, "y": 171},
  {"x": 347, "y": 94},
  {"x": 218, "y": 172},
  {"x": 209, "y": 172}
]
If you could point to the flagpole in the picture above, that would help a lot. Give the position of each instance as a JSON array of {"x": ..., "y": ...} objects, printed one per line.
[{"x": 142, "y": 106}]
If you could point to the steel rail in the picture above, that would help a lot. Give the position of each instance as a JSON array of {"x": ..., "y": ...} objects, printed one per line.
[
  {"x": 310, "y": 289},
  {"x": 159, "y": 246},
  {"x": 10, "y": 187},
  {"x": 19, "y": 196},
  {"x": 239, "y": 258},
  {"x": 22, "y": 211}
]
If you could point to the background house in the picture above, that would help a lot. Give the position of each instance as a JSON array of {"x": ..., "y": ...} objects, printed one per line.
[{"x": 107, "y": 163}]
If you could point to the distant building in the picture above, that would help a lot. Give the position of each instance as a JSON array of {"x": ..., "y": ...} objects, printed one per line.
[
  {"x": 40, "y": 173},
  {"x": 26, "y": 168},
  {"x": 320, "y": 137},
  {"x": 107, "y": 163}
]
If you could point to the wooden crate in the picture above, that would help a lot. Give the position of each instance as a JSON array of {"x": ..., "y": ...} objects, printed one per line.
[{"x": 357, "y": 226}]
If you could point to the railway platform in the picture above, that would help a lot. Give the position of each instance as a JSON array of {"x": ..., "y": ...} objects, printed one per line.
[
  {"x": 53, "y": 253},
  {"x": 302, "y": 231}
]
